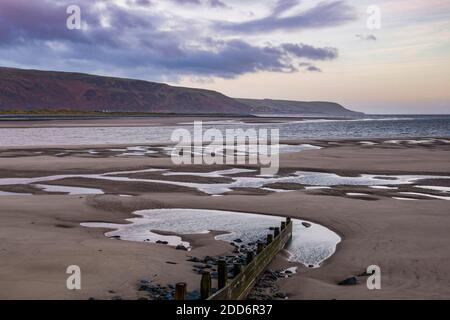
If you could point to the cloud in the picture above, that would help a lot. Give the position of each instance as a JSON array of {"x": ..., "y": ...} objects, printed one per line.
[
  {"x": 310, "y": 52},
  {"x": 210, "y": 3},
  {"x": 323, "y": 14},
  {"x": 283, "y": 5},
  {"x": 139, "y": 42},
  {"x": 368, "y": 37},
  {"x": 309, "y": 67},
  {"x": 217, "y": 4}
]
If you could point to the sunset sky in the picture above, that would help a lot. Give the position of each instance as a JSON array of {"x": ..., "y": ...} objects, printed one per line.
[{"x": 287, "y": 49}]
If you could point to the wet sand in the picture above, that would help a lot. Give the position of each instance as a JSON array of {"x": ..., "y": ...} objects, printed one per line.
[{"x": 409, "y": 240}]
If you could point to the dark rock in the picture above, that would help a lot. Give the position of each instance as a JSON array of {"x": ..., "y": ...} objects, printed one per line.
[
  {"x": 193, "y": 295},
  {"x": 306, "y": 224},
  {"x": 168, "y": 296},
  {"x": 162, "y": 242},
  {"x": 181, "y": 247},
  {"x": 194, "y": 259},
  {"x": 349, "y": 281},
  {"x": 280, "y": 295}
]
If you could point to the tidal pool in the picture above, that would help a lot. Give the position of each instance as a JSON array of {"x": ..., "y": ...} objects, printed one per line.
[
  {"x": 310, "y": 179},
  {"x": 311, "y": 243}
]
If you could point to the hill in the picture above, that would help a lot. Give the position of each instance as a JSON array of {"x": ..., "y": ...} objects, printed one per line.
[
  {"x": 313, "y": 108},
  {"x": 32, "y": 90}
]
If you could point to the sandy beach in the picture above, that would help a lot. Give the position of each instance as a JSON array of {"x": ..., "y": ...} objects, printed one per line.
[{"x": 42, "y": 235}]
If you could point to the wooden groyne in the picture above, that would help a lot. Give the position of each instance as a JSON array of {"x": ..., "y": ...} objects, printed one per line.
[{"x": 245, "y": 276}]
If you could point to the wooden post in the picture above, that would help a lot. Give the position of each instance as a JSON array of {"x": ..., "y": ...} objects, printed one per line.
[
  {"x": 249, "y": 257},
  {"x": 259, "y": 248},
  {"x": 180, "y": 291},
  {"x": 276, "y": 232},
  {"x": 283, "y": 225},
  {"x": 223, "y": 274},
  {"x": 205, "y": 285},
  {"x": 288, "y": 221},
  {"x": 269, "y": 239},
  {"x": 237, "y": 268}
]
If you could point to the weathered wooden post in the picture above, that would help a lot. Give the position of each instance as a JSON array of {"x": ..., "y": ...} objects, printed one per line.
[
  {"x": 223, "y": 274},
  {"x": 249, "y": 257},
  {"x": 259, "y": 248},
  {"x": 288, "y": 220},
  {"x": 269, "y": 239},
  {"x": 237, "y": 268},
  {"x": 283, "y": 225},
  {"x": 276, "y": 232},
  {"x": 180, "y": 291},
  {"x": 205, "y": 285}
]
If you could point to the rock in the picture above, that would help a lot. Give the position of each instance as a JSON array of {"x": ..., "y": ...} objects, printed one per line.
[
  {"x": 193, "y": 295},
  {"x": 306, "y": 224},
  {"x": 162, "y": 242},
  {"x": 280, "y": 295},
  {"x": 365, "y": 274},
  {"x": 194, "y": 259},
  {"x": 181, "y": 247},
  {"x": 272, "y": 275},
  {"x": 349, "y": 281},
  {"x": 237, "y": 240},
  {"x": 170, "y": 262},
  {"x": 168, "y": 296}
]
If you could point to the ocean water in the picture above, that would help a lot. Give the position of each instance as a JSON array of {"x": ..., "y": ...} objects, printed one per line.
[{"x": 370, "y": 127}]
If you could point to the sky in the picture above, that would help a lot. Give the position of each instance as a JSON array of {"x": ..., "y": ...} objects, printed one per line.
[{"x": 306, "y": 50}]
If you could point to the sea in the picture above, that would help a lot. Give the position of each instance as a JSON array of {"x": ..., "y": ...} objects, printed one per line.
[{"x": 372, "y": 126}]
